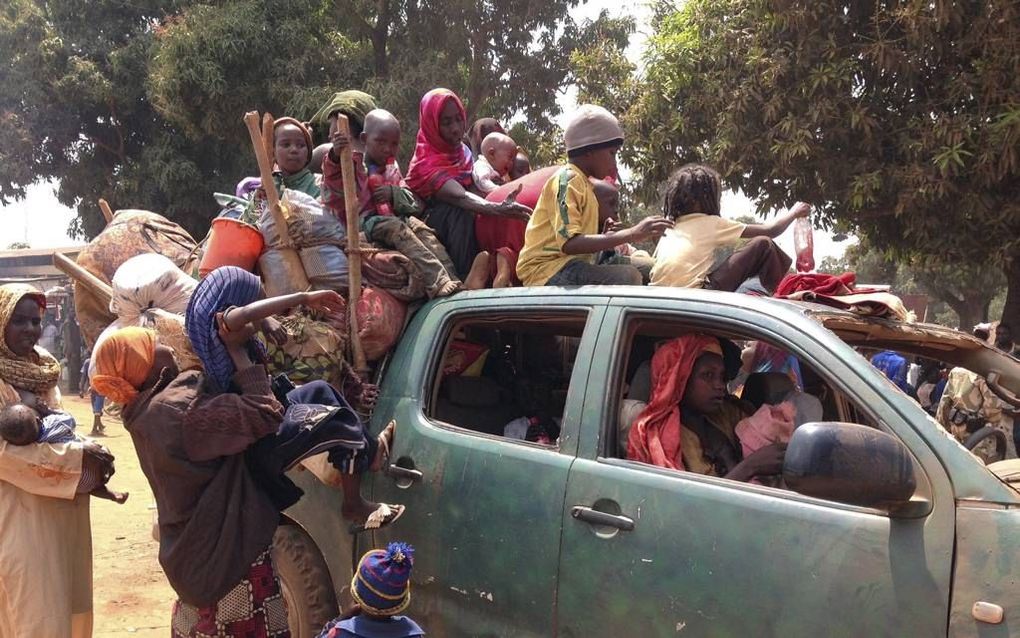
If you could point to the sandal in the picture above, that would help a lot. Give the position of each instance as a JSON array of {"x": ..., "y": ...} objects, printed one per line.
[
  {"x": 382, "y": 516},
  {"x": 385, "y": 442}
]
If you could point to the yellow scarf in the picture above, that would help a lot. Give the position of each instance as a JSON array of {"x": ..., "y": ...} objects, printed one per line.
[{"x": 38, "y": 372}]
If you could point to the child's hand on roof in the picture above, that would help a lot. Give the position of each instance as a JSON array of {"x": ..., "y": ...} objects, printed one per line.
[{"x": 326, "y": 300}]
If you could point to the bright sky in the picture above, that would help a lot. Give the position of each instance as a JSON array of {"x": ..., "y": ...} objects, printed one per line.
[{"x": 42, "y": 221}]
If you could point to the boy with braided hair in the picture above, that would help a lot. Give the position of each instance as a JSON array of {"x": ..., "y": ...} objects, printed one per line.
[{"x": 686, "y": 256}]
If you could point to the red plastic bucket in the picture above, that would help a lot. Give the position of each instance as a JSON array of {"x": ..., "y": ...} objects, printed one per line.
[{"x": 231, "y": 243}]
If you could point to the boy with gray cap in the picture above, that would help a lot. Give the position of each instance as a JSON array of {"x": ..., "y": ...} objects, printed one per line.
[{"x": 563, "y": 235}]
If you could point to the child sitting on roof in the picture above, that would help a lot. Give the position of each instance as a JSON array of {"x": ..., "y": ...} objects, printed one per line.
[
  {"x": 292, "y": 150},
  {"x": 387, "y": 216},
  {"x": 355, "y": 106},
  {"x": 382, "y": 589},
  {"x": 563, "y": 235},
  {"x": 492, "y": 166},
  {"x": 21, "y": 424},
  {"x": 686, "y": 255}
]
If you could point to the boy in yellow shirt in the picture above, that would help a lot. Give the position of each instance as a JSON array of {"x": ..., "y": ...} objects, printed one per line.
[{"x": 563, "y": 235}]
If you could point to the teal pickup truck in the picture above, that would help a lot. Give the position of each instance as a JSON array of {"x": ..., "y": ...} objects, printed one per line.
[{"x": 887, "y": 527}]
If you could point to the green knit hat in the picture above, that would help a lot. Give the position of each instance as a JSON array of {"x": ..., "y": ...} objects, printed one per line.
[{"x": 354, "y": 104}]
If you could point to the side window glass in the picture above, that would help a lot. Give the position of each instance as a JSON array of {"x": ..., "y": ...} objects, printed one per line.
[
  {"x": 507, "y": 374},
  {"x": 716, "y": 403}
]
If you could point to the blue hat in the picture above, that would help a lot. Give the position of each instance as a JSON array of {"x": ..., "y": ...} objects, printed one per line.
[
  {"x": 223, "y": 288},
  {"x": 381, "y": 585}
]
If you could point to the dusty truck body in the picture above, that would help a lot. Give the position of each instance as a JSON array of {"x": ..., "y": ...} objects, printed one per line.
[{"x": 516, "y": 538}]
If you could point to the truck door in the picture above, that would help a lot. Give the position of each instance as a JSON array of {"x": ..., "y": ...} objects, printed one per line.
[
  {"x": 484, "y": 502},
  {"x": 649, "y": 551}
]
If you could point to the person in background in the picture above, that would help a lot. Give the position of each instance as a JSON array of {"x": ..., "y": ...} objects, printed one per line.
[
  {"x": 98, "y": 400},
  {"x": 894, "y": 366},
  {"x": 521, "y": 167},
  {"x": 45, "y": 531},
  {"x": 563, "y": 236},
  {"x": 688, "y": 254},
  {"x": 381, "y": 589},
  {"x": 481, "y": 129},
  {"x": 49, "y": 340}
]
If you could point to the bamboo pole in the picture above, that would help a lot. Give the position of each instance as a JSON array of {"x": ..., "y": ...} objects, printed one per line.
[
  {"x": 107, "y": 211},
  {"x": 90, "y": 282},
  {"x": 353, "y": 243},
  {"x": 251, "y": 119}
]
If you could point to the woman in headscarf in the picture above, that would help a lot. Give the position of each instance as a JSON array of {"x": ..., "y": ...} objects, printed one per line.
[
  {"x": 689, "y": 423},
  {"x": 440, "y": 173},
  {"x": 216, "y": 524},
  {"x": 45, "y": 532}
]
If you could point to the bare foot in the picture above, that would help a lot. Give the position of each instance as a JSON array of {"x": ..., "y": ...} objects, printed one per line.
[
  {"x": 382, "y": 453},
  {"x": 504, "y": 275},
  {"x": 478, "y": 277},
  {"x": 450, "y": 287}
]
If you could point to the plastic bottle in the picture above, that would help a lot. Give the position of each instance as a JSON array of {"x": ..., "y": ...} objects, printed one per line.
[
  {"x": 390, "y": 176},
  {"x": 804, "y": 244}
]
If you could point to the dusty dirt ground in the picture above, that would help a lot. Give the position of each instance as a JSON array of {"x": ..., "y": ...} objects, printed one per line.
[{"x": 131, "y": 595}]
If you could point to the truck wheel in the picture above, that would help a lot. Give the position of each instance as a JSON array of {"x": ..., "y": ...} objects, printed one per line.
[
  {"x": 988, "y": 437},
  {"x": 304, "y": 579}
]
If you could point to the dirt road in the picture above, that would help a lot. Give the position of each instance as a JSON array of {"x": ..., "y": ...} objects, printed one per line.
[{"x": 132, "y": 597}]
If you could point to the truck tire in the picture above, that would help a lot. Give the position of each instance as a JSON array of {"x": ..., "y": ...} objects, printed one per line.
[
  {"x": 998, "y": 436},
  {"x": 304, "y": 579}
]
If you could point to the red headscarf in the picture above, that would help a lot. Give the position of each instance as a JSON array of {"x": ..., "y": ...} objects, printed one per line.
[
  {"x": 655, "y": 436},
  {"x": 436, "y": 161}
]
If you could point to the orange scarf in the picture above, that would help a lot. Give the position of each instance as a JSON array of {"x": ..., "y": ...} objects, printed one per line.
[
  {"x": 655, "y": 436},
  {"x": 123, "y": 362}
]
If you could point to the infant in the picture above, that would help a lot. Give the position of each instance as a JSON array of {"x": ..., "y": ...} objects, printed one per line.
[
  {"x": 21, "y": 424},
  {"x": 492, "y": 167}
]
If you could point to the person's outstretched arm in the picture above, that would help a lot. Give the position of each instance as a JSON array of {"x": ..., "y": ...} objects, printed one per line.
[
  {"x": 236, "y": 318},
  {"x": 777, "y": 226}
]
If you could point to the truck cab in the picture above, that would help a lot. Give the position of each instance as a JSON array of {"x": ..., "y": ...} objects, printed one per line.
[{"x": 563, "y": 536}]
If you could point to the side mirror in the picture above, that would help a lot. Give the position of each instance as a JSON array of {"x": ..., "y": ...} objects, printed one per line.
[{"x": 851, "y": 464}]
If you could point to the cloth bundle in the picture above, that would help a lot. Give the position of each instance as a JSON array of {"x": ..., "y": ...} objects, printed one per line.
[
  {"x": 380, "y": 322},
  {"x": 394, "y": 272},
  {"x": 839, "y": 292},
  {"x": 150, "y": 291},
  {"x": 313, "y": 350},
  {"x": 319, "y": 239},
  {"x": 130, "y": 233}
]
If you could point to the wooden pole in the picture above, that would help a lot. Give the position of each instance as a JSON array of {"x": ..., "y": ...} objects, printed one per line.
[
  {"x": 90, "y": 282},
  {"x": 251, "y": 119},
  {"x": 353, "y": 243},
  {"x": 107, "y": 211},
  {"x": 268, "y": 135}
]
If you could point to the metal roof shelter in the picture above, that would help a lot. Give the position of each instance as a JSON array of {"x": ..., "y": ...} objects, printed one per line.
[{"x": 33, "y": 265}]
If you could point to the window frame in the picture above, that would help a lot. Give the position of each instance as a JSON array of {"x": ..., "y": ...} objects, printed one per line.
[
  {"x": 608, "y": 413},
  {"x": 592, "y": 322}
]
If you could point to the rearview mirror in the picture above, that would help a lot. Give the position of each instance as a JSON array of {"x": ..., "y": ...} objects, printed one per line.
[{"x": 851, "y": 464}]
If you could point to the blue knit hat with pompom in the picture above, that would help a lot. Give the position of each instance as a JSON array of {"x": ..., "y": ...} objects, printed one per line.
[{"x": 382, "y": 583}]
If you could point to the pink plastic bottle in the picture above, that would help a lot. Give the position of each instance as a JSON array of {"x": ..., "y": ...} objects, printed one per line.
[
  {"x": 390, "y": 176},
  {"x": 804, "y": 245}
]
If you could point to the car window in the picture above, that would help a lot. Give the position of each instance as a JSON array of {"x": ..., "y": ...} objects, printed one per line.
[
  {"x": 507, "y": 374},
  {"x": 757, "y": 374}
]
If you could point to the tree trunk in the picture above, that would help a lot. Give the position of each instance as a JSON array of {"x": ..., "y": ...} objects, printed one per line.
[
  {"x": 971, "y": 310},
  {"x": 380, "y": 37},
  {"x": 1011, "y": 311}
]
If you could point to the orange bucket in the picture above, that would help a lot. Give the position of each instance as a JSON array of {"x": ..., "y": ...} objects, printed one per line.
[{"x": 231, "y": 243}]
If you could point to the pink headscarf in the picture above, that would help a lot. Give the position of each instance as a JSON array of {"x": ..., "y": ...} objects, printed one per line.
[{"x": 436, "y": 161}]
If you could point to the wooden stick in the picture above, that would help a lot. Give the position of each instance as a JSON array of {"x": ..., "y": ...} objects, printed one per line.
[
  {"x": 107, "y": 212},
  {"x": 268, "y": 136},
  {"x": 251, "y": 118},
  {"x": 90, "y": 282},
  {"x": 353, "y": 243}
]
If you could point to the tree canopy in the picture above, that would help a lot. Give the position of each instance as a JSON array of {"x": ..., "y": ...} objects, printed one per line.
[
  {"x": 899, "y": 120},
  {"x": 141, "y": 103}
]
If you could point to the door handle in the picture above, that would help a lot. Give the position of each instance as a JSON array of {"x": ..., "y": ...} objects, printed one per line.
[
  {"x": 595, "y": 517},
  {"x": 403, "y": 474}
]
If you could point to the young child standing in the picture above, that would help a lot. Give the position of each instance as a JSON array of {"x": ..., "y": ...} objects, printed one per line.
[
  {"x": 492, "y": 167},
  {"x": 382, "y": 589},
  {"x": 387, "y": 216},
  {"x": 687, "y": 254},
  {"x": 563, "y": 235}
]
